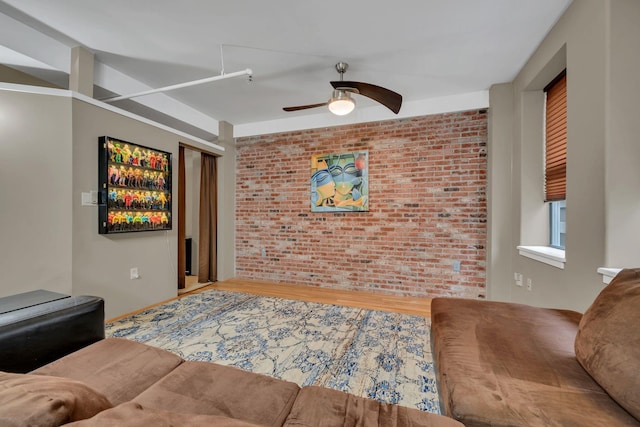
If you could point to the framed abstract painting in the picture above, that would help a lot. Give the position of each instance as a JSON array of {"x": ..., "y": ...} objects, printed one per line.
[{"x": 340, "y": 182}]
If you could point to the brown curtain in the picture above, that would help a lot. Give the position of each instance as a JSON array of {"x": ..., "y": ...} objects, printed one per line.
[
  {"x": 182, "y": 256},
  {"x": 207, "y": 254}
]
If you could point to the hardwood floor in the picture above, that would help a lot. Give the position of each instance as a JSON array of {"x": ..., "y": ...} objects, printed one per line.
[
  {"x": 191, "y": 284},
  {"x": 368, "y": 300}
]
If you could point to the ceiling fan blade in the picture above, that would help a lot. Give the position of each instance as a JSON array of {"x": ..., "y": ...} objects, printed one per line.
[
  {"x": 304, "y": 107},
  {"x": 390, "y": 99}
]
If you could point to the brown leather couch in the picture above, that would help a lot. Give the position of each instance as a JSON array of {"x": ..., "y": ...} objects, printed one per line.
[
  {"x": 504, "y": 364},
  {"x": 116, "y": 382}
]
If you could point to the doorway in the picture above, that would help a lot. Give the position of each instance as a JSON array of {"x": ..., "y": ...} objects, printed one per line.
[{"x": 196, "y": 222}]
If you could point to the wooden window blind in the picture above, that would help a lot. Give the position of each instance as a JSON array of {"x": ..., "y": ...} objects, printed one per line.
[{"x": 555, "y": 175}]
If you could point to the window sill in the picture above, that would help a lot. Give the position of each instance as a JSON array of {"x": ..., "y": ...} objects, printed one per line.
[
  {"x": 545, "y": 254},
  {"x": 608, "y": 274}
]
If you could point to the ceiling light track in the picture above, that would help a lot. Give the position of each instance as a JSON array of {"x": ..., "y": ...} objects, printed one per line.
[{"x": 222, "y": 76}]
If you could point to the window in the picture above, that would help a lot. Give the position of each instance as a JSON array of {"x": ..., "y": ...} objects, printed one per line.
[
  {"x": 558, "y": 225},
  {"x": 555, "y": 171}
]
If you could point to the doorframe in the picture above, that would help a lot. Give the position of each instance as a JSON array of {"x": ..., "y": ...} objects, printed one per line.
[{"x": 182, "y": 258}]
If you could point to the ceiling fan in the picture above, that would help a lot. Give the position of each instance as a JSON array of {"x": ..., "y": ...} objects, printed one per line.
[{"x": 341, "y": 102}]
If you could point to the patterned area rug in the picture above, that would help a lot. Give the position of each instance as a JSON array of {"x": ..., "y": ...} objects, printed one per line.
[{"x": 374, "y": 354}]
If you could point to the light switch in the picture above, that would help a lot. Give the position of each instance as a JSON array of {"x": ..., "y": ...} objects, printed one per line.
[{"x": 90, "y": 198}]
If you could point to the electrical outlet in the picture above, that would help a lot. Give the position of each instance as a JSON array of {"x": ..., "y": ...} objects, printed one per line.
[
  {"x": 264, "y": 252},
  {"x": 456, "y": 266},
  {"x": 134, "y": 273},
  {"x": 529, "y": 284},
  {"x": 518, "y": 278}
]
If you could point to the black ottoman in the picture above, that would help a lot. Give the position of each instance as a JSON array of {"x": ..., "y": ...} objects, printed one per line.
[{"x": 39, "y": 327}]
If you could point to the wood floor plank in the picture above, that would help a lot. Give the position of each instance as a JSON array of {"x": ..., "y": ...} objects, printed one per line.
[
  {"x": 369, "y": 300},
  {"x": 360, "y": 299}
]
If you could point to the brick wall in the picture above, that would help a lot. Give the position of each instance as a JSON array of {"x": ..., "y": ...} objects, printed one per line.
[{"x": 427, "y": 189}]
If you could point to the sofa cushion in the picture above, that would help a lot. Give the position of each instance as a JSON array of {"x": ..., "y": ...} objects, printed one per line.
[
  {"x": 211, "y": 389},
  {"x": 132, "y": 414},
  {"x": 319, "y": 406},
  {"x": 41, "y": 401},
  {"x": 608, "y": 340},
  {"x": 118, "y": 368},
  {"x": 504, "y": 364}
]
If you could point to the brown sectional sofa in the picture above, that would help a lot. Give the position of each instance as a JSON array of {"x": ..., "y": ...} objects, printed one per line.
[
  {"x": 116, "y": 382},
  {"x": 505, "y": 364}
]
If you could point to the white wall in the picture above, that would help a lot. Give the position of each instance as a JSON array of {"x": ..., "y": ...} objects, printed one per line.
[
  {"x": 499, "y": 192},
  {"x": 102, "y": 263},
  {"x": 48, "y": 157},
  {"x": 35, "y": 193},
  {"x": 622, "y": 156},
  {"x": 597, "y": 42},
  {"x": 226, "y": 204}
]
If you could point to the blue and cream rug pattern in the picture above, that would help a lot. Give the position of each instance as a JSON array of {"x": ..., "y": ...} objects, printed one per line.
[{"x": 374, "y": 354}]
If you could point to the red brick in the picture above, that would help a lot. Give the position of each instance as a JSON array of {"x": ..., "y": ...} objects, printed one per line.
[{"x": 427, "y": 189}]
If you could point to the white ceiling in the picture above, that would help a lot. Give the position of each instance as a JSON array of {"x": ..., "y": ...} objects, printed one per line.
[{"x": 424, "y": 49}]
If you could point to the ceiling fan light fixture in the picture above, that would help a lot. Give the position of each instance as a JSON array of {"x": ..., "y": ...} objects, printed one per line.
[{"x": 341, "y": 103}]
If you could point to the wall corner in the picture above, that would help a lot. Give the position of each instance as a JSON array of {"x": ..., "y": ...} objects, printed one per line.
[
  {"x": 226, "y": 203},
  {"x": 500, "y": 245}
]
